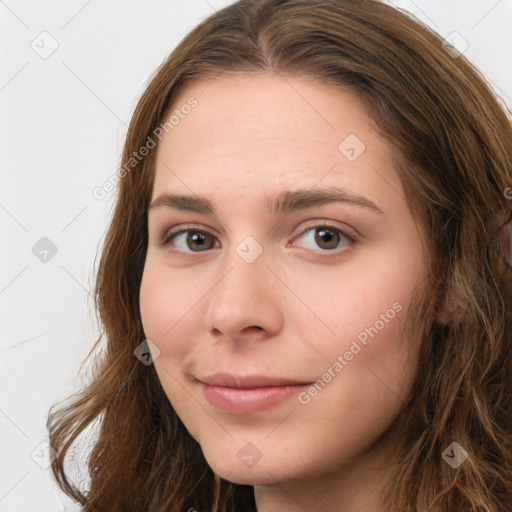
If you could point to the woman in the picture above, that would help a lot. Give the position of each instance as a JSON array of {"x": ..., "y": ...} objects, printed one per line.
[{"x": 304, "y": 302}]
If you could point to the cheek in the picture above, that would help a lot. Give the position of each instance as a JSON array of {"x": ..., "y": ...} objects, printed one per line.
[
  {"x": 152, "y": 295},
  {"x": 362, "y": 387},
  {"x": 164, "y": 304},
  {"x": 367, "y": 305},
  {"x": 366, "y": 366},
  {"x": 167, "y": 312}
]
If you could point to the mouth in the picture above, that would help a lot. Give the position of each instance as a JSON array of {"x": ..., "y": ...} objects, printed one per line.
[{"x": 248, "y": 394}]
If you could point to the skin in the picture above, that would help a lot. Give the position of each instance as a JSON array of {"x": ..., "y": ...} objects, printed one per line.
[{"x": 299, "y": 305}]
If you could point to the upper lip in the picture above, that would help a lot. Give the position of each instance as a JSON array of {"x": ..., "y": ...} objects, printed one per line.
[{"x": 248, "y": 381}]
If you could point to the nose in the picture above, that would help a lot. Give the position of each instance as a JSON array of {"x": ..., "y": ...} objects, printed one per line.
[{"x": 245, "y": 304}]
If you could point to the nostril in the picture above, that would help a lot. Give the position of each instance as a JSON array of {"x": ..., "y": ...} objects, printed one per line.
[{"x": 253, "y": 327}]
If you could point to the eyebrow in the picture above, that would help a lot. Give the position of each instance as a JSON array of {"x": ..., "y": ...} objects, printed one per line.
[{"x": 286, "y": 202}]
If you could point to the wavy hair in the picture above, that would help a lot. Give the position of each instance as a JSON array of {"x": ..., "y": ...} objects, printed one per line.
[{"x": 453, "y": 152}]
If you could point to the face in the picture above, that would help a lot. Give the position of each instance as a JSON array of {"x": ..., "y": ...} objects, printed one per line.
[{"x": 281, "y": 262}]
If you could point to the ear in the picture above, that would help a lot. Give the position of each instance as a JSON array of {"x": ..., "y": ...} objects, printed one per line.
[
  {"x": 503, "y": 242},
  {"x": 444, "y": 309},
  {"x": 454, "y": 307}
]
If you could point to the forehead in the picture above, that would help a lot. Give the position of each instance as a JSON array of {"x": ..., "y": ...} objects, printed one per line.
[{"x": 268, "y": 132}]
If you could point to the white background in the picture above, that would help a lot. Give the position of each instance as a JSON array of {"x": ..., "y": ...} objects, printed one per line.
[{"x": 62, "y": 124}]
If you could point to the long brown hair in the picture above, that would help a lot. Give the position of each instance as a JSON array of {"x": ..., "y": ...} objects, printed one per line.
[{"x": 453, "y": 145}]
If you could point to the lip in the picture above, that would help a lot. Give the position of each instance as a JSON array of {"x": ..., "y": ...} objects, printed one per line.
[
  {"x": 248, "y": 381},
  {"x": 248, "y": 394}
]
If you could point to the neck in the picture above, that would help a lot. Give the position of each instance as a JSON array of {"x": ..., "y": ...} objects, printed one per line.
[{"x": 351, "y": 487}]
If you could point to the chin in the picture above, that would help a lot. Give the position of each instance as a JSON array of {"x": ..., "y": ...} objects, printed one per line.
[
  {"x": 230, "y": 467},
  {"x": 247, "y": 478}
]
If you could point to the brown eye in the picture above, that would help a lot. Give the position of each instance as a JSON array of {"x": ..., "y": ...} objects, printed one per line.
[
  {"x": 197, "y": 240},
  {"x": 189, "y": 240},
  {"x": 326, "y": 238}
]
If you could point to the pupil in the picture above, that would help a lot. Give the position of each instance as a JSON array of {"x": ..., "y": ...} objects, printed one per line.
[
  {"x": 196, "y": 238},
  {"x": 327, "y": 239}
]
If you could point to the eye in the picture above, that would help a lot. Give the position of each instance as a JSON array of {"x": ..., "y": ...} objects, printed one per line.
[
  {"x": 189, "y": 239},
  {"x": 193, "y": 239},
  {"x": 326, "y": 237}
]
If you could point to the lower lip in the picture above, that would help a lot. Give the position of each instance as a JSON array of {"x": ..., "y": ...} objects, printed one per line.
[{"x": 247, "y": 401}]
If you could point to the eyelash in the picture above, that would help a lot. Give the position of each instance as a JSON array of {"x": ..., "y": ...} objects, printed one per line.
[{"x": 173, "y": 233}]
